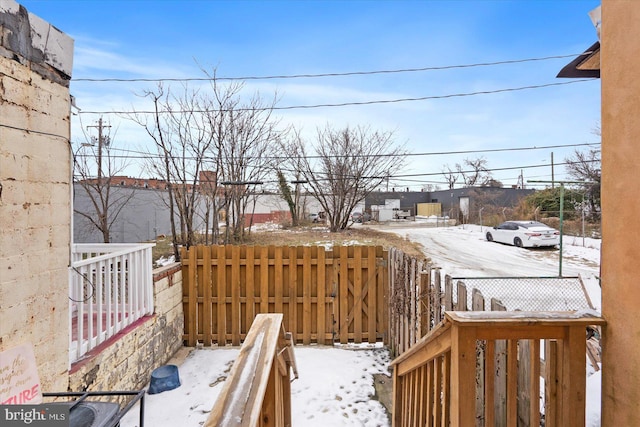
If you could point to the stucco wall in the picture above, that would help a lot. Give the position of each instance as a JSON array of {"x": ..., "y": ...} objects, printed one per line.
[
  {"x": 146, "y": 214},
  {"x": 620, "y": 43},
  {"x": 35, "y": 200},
  {"x": 126, "y": 361}
]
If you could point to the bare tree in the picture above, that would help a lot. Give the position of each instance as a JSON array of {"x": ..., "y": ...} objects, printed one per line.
[
  {"x": 212, "y": 134},
  {"x": 244, "y": 135},
  {"x": 347, "y": 165},
  {"x": 474, "y": 172},
  {"x": 182, "y": 137},
  {"x": 95, "y": 174},
  {"x": 585, "y": 166},
  {"x": 213, "y": 202},
  {"x": 450, "y": 176}
]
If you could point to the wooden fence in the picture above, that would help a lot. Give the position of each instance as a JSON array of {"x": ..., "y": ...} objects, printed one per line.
[
  {"x": 419, "y": 297},
  {"x": 324, "y": 295}
]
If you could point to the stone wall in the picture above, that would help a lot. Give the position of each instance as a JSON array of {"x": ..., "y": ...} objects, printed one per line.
[
  {"x": 126, "y": 361},
  {"x": 35, "y": 194}
]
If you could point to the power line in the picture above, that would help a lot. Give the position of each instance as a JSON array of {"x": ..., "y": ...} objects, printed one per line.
[
  {"x": 355, "y": 103},
  {"x": 404, "y": 176},
  {"x": 146, "y": 155},
  {"x": 348, "y": 73}
]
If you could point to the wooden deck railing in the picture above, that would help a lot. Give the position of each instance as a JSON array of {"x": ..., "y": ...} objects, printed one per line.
[
  {"x": 471, "y": 370},
  {"x": 257, "y": 391},
  {"x": 110, "y": 287}
]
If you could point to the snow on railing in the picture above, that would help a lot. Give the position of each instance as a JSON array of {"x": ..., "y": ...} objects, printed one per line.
[{"x": 110, "y": 287}]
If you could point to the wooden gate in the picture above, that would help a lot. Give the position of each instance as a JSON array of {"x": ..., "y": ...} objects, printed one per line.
[{"x": 324, "y": 295}]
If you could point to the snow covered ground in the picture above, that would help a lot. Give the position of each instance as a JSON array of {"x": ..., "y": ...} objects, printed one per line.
[
  {"x": 336, "y": 384},
  {"x": 335, "y": 388}
]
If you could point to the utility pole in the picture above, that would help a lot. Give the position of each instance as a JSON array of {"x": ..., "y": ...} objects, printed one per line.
[
  {"x": 562, "y": 183},
  {"x": 552, "y": 173},
  {"x": 102, "y": 190},
  {"x": 101, "y": 140}
]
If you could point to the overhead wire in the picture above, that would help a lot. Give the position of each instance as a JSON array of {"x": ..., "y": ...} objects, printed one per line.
[
  {"x": 147, "y": 155},
  {"x": 343, "y": 74},
  {"x": 416, "y": 175},
  {"x": 361, "y": 103},
  {"x": 345, "y": 104},
  {"x": 350, "y": 73}
]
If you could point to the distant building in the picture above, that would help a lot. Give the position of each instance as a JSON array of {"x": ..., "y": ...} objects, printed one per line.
[{"x": 460, "y": 203}]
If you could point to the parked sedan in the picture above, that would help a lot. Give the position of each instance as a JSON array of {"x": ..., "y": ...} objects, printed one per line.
[{"x": 524, "y": 234}]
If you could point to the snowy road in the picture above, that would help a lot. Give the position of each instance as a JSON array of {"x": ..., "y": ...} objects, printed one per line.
[{"x": 463, "y": 251}]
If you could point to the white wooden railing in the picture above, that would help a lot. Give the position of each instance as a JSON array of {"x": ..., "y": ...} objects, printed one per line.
[{"x": 110, "y": 287}]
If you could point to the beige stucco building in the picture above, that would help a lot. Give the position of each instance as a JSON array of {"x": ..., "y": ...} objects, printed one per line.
[{"x": 619, "y": 65}]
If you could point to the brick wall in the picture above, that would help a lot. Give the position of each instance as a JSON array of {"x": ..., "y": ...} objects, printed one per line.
[{"x": 126, "y": 361}]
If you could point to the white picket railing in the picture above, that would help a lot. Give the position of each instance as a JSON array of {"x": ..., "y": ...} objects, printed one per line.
[{"x": 110, "y": 287}]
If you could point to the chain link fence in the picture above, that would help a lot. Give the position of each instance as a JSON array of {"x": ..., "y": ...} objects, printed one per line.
[{"x": 528, "y": 293}]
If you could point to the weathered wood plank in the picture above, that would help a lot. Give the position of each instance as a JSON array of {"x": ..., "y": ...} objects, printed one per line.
[
  {"x": 207, "y": 302},
  {"x": 293, "y": 294},
  {"x": 306, "y": 296},
  {"x": 249, "y": 286},
  {"x": 344, "y": 294},
  {"x": 573, "y": 376},
  {"x": 448, "y": 293},
  {"x": 534, "y": 380},
  {"x": 262, "y": 398},
  {"x": 357, "y": 294},
  {"x": 553, "y": 388},
  {"x": 279, "y": 283},
  {"x": 322, "y": 321},
  {"x": 264, "y": 279},
  {"x": 512, "y": 382},
  {"x": 489, "y": 384},
  {"x": 222, "y": 291},
  {"x": 463, "y": 364},
  {"x": 372, "y": 296},
  {"x": 235, "y": 295},
  {"x": 190, "y": 286}
]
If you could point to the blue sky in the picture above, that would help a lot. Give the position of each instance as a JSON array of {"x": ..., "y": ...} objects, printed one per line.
[{"x": 175, "y": 39}]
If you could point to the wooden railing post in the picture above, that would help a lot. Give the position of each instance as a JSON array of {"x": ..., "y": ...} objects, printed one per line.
[
  {"x": 463, "y": 368},
  {"x": 573, "y": 376}
]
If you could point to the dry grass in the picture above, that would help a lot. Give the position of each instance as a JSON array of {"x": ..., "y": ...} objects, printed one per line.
[
  {"x": 306, "y": 235},
  {"x": 322, "y": 236}
]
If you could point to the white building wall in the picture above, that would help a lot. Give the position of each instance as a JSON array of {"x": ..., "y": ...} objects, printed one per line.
[{"x": 35, "y": 197}]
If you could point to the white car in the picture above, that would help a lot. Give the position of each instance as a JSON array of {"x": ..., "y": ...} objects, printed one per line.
[{"x": 524, "y": 234}]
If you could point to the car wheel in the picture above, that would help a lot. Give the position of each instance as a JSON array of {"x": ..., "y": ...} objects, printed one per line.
[
  {"x": 517, "y": 242},
  {"x": 489, "y": 237}
]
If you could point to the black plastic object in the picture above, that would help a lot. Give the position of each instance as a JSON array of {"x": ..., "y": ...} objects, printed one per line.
[
  {"x": 93, "y": 414},
  {"x": 85, "y": 412},
  {"x": 164, "y": 378}
]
